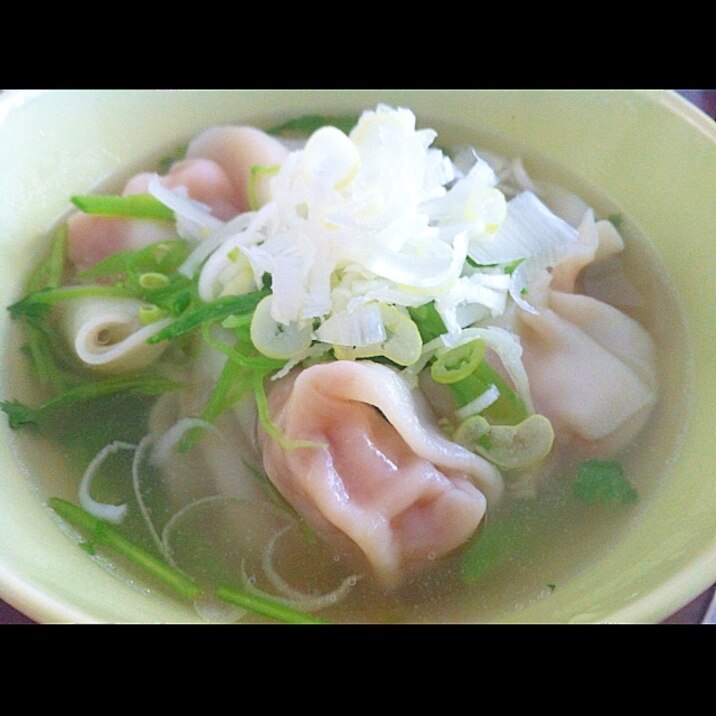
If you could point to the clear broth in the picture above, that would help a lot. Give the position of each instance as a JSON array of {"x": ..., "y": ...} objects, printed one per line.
[{"x": 561, "y": 536}]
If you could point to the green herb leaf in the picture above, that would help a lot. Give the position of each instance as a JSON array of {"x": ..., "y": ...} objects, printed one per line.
[
  {"x": 265, "y": 606},
  {"x": 18, "y": 413},
  {"x": 133, "y": 206},
  {"x": 309, "y": 123},
  {"x": 602, "y": 482},
  {"x": 615, "y": 220},
  {"x": 103, "y": 533}
]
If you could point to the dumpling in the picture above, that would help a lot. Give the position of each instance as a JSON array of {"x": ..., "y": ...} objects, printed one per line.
[
  {"x": 237, "y": 150},
  {"x": 93, "y": 238},
  {"x": 592, "y": 369},
  {"x": 387, "y": 485}
]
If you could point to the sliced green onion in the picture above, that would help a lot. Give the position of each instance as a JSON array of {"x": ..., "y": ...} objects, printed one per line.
[
  {"x": 103, "y": 533},
  {"x": 151, "y": 314},
  {"x": 153, "y": 279},
  {"x": 402, "y": 345},
  {"x": 511, "y": 447},
  {"x": 428, "y": 321},
  {"x": 265, "y": 606},
  {"x": 458, "y": 363},
  {"x": 243, "y": 353},
  {"x": 508, "y": 409},
  {"x": 275, "y": 340},
  {"x": 133, "y": 206}
]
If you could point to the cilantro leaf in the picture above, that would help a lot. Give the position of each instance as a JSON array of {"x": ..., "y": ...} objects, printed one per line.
[
  {"x": 603, "y": 482},
  {"x": 18, "y": 413}
]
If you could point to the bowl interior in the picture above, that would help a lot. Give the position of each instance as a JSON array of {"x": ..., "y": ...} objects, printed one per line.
[{"x": 650, "y": 153}]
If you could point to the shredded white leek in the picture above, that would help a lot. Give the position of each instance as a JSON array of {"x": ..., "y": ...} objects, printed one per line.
[
  {"x": 508, "y": 349},
  {"x": 165, "y": 446},
  {"x": 194, "y": 219},
  {"x": 293, "y": 597},
  {"x": 102, "y": 510},
  {"x": 482, "y": 402}
]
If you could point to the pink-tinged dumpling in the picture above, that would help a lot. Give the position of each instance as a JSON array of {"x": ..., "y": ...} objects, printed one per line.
[
  {"x": 388, "y": 485},
  {"x": 204, "y": 180},
  {"x": 592, "y": 369},
  {"x": 93, "y": 238},
  {"x": 236, "y": 150}
]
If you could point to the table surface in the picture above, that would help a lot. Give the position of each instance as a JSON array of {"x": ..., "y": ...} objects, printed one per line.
[{"x": 692, "y": 613}]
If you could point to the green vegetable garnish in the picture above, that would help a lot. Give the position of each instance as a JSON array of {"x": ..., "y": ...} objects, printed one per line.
[
  {"x": 309, "y": 123},
  {"x": 265, "y": 606},
  {"x": 512, "y": 447},
  {"x": 428, "y": 321},
  {"x": 20, "y": 414},
  {"x": 37, "y": 304},
  {"x": 508, "y": 409},
  {"x": 176, "y": 155},
  {"x": 458, "y": 363},
  {"x": 50, "y": 271},
  {"x": 214, "y": 311},
  {"x": 162, "y": 257},
  {"x": 133, "y": 206},
  {"x": 103, "y": 533},
  {"x": 602, "y": 482},
  {"x": 615, "y": 220},
  {"x": 489, "y": 546},
  {"x": 47, "y": 276}
]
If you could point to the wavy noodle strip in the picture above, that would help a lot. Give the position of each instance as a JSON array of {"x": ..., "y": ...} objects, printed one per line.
[{"x": 106, "y": 335}]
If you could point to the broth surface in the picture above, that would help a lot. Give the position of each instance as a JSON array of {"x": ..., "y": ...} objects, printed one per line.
[{"x": 557, "y": 538}]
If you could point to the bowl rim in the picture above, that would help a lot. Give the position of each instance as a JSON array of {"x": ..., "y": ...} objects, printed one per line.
[{"x": 693, "y": 579}]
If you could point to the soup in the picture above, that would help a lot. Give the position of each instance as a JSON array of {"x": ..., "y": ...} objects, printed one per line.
[{"x": 491, "y": 502}]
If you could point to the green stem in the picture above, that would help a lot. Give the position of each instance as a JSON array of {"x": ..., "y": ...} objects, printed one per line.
[
  {"x": 214, "y": 311},
  {"x": 134, "y": 206},
  {"x": 266, "y": 607},
  {"x": 103, "y": 533}
]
